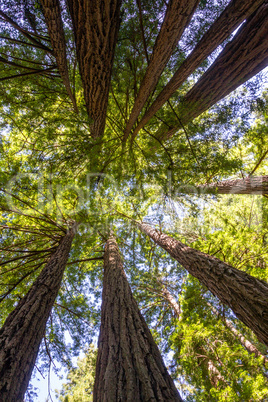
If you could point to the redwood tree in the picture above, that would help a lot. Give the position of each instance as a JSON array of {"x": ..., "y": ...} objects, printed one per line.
[
  {"x": 249, "y": 185},
  {"x": 95, "y": 26},
  {"x": 231, "y": 17},
  {"x": 241, "y": 59},
  {"x": 24, "y": 328},
  {"x": 52, "y": 14},
  {"x": 245, "y": 295},
  {"x": 129, "y": 364}
]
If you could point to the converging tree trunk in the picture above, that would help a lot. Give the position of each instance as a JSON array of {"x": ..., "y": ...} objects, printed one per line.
[
  {"x": 241, "y": 59},
  {"x": 177, "y": 17},
  {"x": 24, "y": 328},
  {"x": 249, "y": 185},
  {"x": 52, "y": 14},
  {"x": 233, "y": 15},
  {"x": 245, "y": 295},
  {"x": 96, "y": 25},
  {"x": 129, "y": 365}
]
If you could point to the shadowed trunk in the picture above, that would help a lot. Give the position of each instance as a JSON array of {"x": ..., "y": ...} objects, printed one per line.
[
  {"x": 52, "y": 14},
  {"x": 245, "y": 295},
  {"x": 177, "y": 17},
  {"x": 241, "y": 59},
  {"x": 233, "y": 15},
  {"x": 129, "y": 365},
  {"x": 24, "y": 328},
  {"x": 96, "y": 25},
  {"x": 249, "y": 185}
]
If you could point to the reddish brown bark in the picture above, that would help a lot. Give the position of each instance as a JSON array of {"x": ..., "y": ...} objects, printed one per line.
[
  {"x": 52, "y": 14},
  {"x": 228, "y": 21},
  {"x": 24, "y": 328},
  {"x": 249, "y": 185},
  {"x": 177, "y": 17},
  {"x": 96, "y": 25},
  {"x": 241, "y": 59},
  {"x": 129, "y": 364},
  {"x": 245, "y": 295}
]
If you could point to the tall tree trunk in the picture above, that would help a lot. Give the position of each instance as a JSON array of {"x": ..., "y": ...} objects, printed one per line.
[
  {"x": 244, "y": 342},
  {"x": 129, "y": 364},
  {"x": 52, "y": 14},
  {"x": 233, "y": 15},
  {"x": 24, "y": 328},
  {"x": 96, "y": 25},
  {"x": 249, "y": 185},
  {"x": 241, "y": 59},
  {"x": 177, "y": 17},
  {"x": 245, "y": 295}
]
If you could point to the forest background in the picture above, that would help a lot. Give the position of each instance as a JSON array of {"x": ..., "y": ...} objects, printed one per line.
[{"x": 137, "y": 112}]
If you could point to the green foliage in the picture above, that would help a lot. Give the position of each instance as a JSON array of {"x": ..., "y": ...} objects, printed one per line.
[
  {"x": 80, "y": 383},
  {"x": 53, "y": 172}
]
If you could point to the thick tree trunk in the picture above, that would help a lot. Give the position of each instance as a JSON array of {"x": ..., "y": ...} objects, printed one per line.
[
  {"x": 177, "y": 17},
  {"x": 52, "y": 14},
  {"x": 129, "y": 364},
  {"x": 233, "y": 15},
  {"x": 245, "y": 295},
  {"x": 24, "y": 328},
  {"x": 96, "y": 25},
  {"x": 241, "y": 59},
  {"x": 249, "y": 185},
  {"x": 244, "y": 342}
]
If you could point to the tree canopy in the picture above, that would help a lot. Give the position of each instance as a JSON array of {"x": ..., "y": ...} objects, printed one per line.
[{"x": 117, "y": 112}]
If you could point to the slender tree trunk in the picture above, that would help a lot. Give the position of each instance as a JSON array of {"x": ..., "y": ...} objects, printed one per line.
[
  {"x": 245, "y": 295},
  {"x": 96, "y": 26},
  {"x": 177, "y": 17},
  {"x": 52, "y": 14},
  {"x": 172, "y": 302},
  {"x": 24, "y": 328},
  {"x": 244, "y": 342},
  {"x": 233, "y": 15},
  {"x": 241, "y": 59},
  {"x": 249, "y": 185},
  {"x": 214, "y": 374},
  {"x": 129, "y": 365},
  {"x": 215, "y": 377}
]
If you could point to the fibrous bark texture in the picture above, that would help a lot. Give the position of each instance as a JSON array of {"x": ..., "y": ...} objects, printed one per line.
[
  {"x": 245, "y": 295},
  {"x": 96, "y": 25},
  {"x": 233, "y": 15},
  {"x": 52, "y": 14},
  {"x": 129, "y": 364},
  {"x": 24, "y": 328},
  {"x": 177, "y": 17},
  {"x": 249, "y": 185},
  {"x": 241, "y": 59}
]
